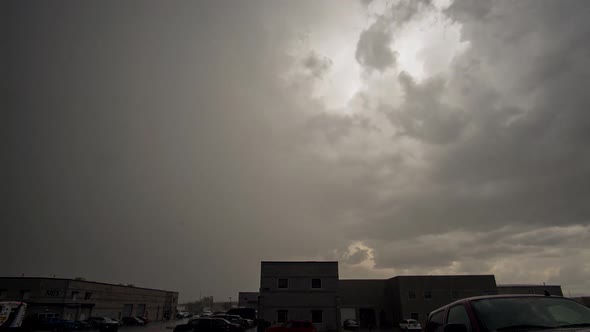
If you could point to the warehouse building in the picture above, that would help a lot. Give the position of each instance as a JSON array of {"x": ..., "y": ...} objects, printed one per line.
[
  {"x": 312, "y": 291},
  {"x": 78, "y": 299},
  {"x": 384, "y": 303}
]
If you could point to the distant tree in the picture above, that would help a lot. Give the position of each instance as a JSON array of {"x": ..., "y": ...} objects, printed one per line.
[{"x": 199, "y": 305}]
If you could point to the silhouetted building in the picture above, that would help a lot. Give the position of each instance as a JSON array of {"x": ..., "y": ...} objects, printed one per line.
[
  {"x": 78, "y": 299},
  {"x": 384, "y": 303},
  {"x": 530, "y": 289},
  {"x": 300, "y": 291}
]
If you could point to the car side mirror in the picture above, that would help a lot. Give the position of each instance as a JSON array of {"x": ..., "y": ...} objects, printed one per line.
[{"x": 455, "y": 327}]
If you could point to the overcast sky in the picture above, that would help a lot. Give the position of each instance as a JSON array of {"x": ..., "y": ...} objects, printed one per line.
[{"x": 176, "y": 144}]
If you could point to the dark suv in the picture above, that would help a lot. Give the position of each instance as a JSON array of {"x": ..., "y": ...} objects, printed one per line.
[{"x": 514, "y": 313}]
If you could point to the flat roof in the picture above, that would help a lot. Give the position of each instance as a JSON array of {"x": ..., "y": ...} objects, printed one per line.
[{"x": 88, "y": 281}]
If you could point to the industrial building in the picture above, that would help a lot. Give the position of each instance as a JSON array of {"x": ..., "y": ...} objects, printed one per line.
[
  {"x": 300, "y": 291},
  {"x": 78, "y": 299},
  {"x": 313, "y": 291},
  {"x": 384, "y": 303}
]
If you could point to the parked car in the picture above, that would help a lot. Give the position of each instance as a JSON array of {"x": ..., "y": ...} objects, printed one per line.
[
  {"x": 57, "y": 324},
  {"x": 519, "y": 313},
  {"x": 350, "y": 324},
  {"x": 250, "y": 322},
  {"x": 103, "y": 323},
  {"x": 120, "y": 322},
  {"x": 235, "y": 319},
  {"x": 208, "y": 325},
  {"x": 409, "y": 324},
  {"x": 144, "y": 319},
  {"x": 132, "y": 321},
  {"x": 293, "y": 326},
  {"x": 246, "y": 313}
]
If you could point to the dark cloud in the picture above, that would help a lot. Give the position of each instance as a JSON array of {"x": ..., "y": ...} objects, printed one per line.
[
  {"x": 404, "y": 11},
  {"x": 423, "y": 115},
  {"x": 317, "y": 65},
  {"x": 373, "y": 49}
]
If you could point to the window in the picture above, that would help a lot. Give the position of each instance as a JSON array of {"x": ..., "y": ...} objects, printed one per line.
[
  {"x": 283, "y": 283},
  {"x": 427, "y": 295},
  {"x": 415, "y": 316},
  {"x": 75, "y": 295},
  {"x": 316, "y": 316},
  {"x": 25, "y": 294},
  {"x": 435, "y": 321},
  {"x": 498, "y": 313},
  {"x": 412, "y": 295},
  {"x": 282, "y": 316},
  {"x": 3, "y": 293},
  {"x": 316, "y": 283},
  {"x": 457, "y": 314},
  {"x": 87, "y": 296}
]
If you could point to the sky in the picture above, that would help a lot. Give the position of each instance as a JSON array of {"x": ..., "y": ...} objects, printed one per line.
[{"x": 176, "y": 144}]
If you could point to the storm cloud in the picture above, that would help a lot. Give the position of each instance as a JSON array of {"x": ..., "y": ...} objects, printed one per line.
[{"x": 177, "y": 145}]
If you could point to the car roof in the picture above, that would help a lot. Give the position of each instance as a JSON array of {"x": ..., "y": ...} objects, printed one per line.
[{"x": 484, "y": 297}]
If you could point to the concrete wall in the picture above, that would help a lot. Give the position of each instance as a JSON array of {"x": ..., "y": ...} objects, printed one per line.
[
  {"x": 299, "y": 299},
  {"x": 530, "y": 289},
  {"x": 365, "y": 296},
  {"x": 77, "y": 299},
  {"x": 443, "y": 290}
]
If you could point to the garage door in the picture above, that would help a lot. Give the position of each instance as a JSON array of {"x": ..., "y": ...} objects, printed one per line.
[
  {"x": 347, "y": 313},
  {"x": 127, "y": 310},
  {"x": 140, "y": 311}
]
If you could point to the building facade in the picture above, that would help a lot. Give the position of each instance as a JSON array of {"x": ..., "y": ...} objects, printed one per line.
[
  {"x": 300, "y": 291},
  {"x": 78, "y": 299},
  {"x": 416, "y": 296},
  {"x": 364, "y": 301},
  {"x": 312, "y": 291},
  {"x": 248, "y": 300},
  {"x": 384, "y": 303},
  {"x": 530, "y": 289}
]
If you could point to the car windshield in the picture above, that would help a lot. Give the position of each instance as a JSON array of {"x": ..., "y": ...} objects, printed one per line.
[
  {"x": 529, "y": 313},
  {"x": 412, "y": 321}
]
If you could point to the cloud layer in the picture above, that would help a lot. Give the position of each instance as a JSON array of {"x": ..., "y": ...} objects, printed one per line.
[{"x": 177, "y": 145}]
